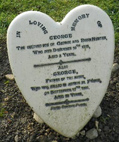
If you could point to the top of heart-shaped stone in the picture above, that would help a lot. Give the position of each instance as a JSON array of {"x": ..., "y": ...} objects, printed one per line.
[{"x": 62, "y": 69}]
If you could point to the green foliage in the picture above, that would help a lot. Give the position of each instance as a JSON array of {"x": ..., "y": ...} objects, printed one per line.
[
  {"x": 104, "y": 119},
  {"x": 2, "y": 110},
  {"x": 6, "y": 82},
  {"x": 57, "y": 9}
]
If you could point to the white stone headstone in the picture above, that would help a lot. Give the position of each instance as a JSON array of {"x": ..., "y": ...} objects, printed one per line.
[{"x": 62, "y": 69}]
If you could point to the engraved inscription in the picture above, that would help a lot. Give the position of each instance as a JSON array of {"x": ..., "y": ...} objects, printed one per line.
[
  {"x": 99, "y": 24},
  {"x": 40, "y": 25},
  {"x": 78, "y": 19},
  {"x": 93, "y": 39},
  {"x": 18, "y": 34},
  {"x": 61, "y": 51}
]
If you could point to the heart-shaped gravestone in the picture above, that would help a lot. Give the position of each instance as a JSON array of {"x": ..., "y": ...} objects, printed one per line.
[{"x": 62, "y": 69}]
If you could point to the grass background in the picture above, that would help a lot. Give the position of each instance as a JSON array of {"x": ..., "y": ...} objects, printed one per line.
[{"x": 56, "y": 9}]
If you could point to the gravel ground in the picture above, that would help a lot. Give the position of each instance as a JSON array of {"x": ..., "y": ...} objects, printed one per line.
[{"x": 17, "y": 123}]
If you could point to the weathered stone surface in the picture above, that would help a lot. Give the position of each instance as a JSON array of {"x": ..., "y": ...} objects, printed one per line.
[
  {"x": 9, "y": 76},
  {"x": 16, "y": 138},
  {"x": 37, "y": 118},
  {"x": 115, "y": 67},
  {"x": 83, "y": 132},
  {"x": 98, "y": 112},
  {"x": 62, "y": 69},
  {"x": 92, "y": 134}
]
